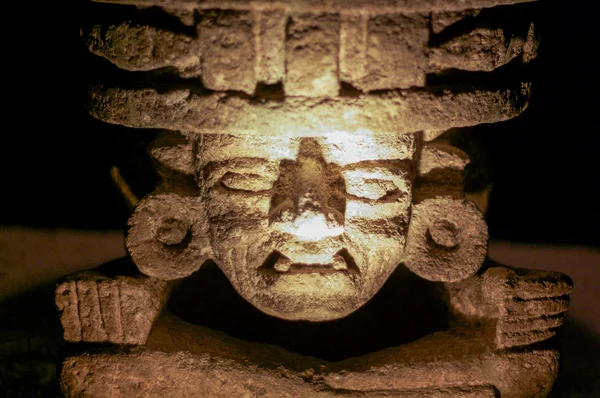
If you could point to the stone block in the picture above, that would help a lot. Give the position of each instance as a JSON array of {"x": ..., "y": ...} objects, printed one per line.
[
  {"x": 95, "y": 308},
  {"x": 396, "y": 54},
  {"x": 269, "y": 33},
  {"x": 312, "y": 50},
  {"x": 142, "y": 48},
  {"x": 228, "y": 56}
]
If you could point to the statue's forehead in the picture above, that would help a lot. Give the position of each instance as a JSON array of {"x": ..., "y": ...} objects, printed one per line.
[{"x": 337, "y": 147}]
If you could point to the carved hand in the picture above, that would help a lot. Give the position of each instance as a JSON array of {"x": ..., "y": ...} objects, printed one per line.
[{"x": 531, "y": 304}]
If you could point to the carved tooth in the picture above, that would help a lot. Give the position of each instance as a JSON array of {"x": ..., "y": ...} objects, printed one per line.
[
  {"x": 283, "y": 264},
  {"x": 339, "y": 263}
]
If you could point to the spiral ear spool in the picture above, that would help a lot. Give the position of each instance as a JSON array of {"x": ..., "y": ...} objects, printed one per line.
[
  {"x": 447, "y": 240},
  {"x": 168, "y": 236}
]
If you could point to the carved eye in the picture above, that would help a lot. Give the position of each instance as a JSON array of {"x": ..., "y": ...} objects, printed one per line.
[
  {"x": 370, "y": 188},
  {"x": 246, "y": 182},
  {"x": 374, "y": 184}
]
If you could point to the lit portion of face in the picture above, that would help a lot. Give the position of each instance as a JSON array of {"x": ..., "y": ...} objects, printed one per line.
[{"x": 307, "y": 228}]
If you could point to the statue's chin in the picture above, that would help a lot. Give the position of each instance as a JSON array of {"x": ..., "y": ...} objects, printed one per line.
[
  {"x": 309, "y": 291},
  {"x": 311, "y": 314},
  {"x": 304, "y": 306}
]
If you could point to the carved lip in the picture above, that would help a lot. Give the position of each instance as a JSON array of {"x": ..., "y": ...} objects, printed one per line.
[{"x": 279, "y": 264}]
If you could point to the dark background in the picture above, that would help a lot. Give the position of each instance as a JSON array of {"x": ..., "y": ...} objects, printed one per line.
[{"x": 56, "y": 172}]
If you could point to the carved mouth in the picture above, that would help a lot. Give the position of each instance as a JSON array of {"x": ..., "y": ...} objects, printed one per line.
[{"x": 342, "y": 261}]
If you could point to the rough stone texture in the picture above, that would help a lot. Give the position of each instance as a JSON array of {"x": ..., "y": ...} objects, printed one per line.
[
  {"x": 387, "y": 112},
  {"x": 328, "y": 5},
  {"x": 312, "y": 48},
  {"x": 395, "y": 55},
  {"x": 441, "y": 171},
  {"x": 482, "y": 49},
  {"x": 269, "y": 35},
  {"x": 186, "y": 360},
  {"x": 532, "y": 304},
  {"x": 313, "y": 158},
  {"x": 228, "y": 59},
  {"x": 275, "y": 212},
  {"x": 141, "y": 48},
  {"x": 447, "y": 240},
  {"x": 167, "y": 236},
  {"x": 312, "y": 52},
  {"x": 353, "y": 46},
  {"x": 97, "y": 308}
]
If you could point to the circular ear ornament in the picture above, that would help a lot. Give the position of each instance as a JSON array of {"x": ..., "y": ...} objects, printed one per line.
[
  {"x": 447, "y": 240},
  {"x": 168, "y": 236}
]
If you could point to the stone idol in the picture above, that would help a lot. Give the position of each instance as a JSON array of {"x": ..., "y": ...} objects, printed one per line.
[{"x": 317, "y": 229}]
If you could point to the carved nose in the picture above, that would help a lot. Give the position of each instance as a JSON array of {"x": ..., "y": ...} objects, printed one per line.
[
  {"x": 313, "y": 219},
  {"x": 305, "y": 213}
]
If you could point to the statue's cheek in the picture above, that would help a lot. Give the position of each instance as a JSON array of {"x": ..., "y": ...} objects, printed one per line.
[{"x": 168, "y": 236}]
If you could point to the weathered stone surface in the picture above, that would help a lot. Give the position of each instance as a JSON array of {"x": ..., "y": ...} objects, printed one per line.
[
  {"x": 311, "y": 54},
  {"x": 96, "y": 308},
  {"x": 168, "y": 236},
  {"x": 313, "y": 51},
  {"x": 142, "y": 48},
  {"x": 531, "y": 304},
  {"x": 482, "y": 40},
  {"x": 396, "y": 52},
  {"x": 387, "y": 112},
  {"x": 447, "y": 364},
  {"x": 532, "y": 44},
  {"x": 441, "y": 171},
  {"x": 383, "y": 51},
  {"x": 482, "y": 49},
  {"x": 445, "y": 19},
  {"x": 311, "y": 203},
  {"x": 353, "y": 46},
  {"x": 441, "y": 156},
  {"x": 315, "y": 161},
  {"x": 269, "y": 35},
  {"x": 228, "y": 55},
  {"x": 447, "y": 240},
  {"x": 173, "y": 154},
  {"x": 328, "y": 5}
]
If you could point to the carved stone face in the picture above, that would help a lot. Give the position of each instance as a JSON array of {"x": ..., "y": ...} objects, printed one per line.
[{"x": 307, "y": 228}]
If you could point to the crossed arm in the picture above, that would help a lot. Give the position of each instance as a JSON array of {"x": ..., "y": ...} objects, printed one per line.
[{"x": 529, "y": 305}]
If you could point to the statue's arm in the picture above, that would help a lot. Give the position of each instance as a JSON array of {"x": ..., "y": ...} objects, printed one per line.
[{"x": 528, "y": 305}]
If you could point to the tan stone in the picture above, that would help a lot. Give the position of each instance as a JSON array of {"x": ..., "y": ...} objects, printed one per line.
[
  {"x": 269, "y": 35},
  {"x": 143, "y": 48},
  {"x": 228, "y": 55},
  {"x": 168, "y": 236},
  {"x": 531, "y": 303},
  {"x": 313, "y": 50},
  {"x": 442, "y": 20},
  {"x": 441, "y": 171},
  {"x": 353, "y": 47},
  {"x": 447, "y": 240},
  {"x": 99, "y": 309},
  {"x": 327, "y": 5},
  {"x": 317, "y": 164},
  {"x": 396, "y": 52},
  {"x": 482, "y": 49},
  {"x": 447, "y": 364},
  {"x": 387, "y": 112},
  {"x": 311, "y": 55}
]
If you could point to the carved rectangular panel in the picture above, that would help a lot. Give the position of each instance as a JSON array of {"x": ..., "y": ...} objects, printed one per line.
[
  {"x": 353, "y": 47},
  {"x": 312, "y": 49},
  {"x": 228, "y": 58},
  {"x": 396, "y": 52},
  {"x": 269, "y": 26},
  {"x": 96, "y": 308}
]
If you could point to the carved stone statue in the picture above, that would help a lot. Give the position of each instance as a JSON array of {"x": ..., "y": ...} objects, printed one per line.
[{"x": 312, "y": 151}]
